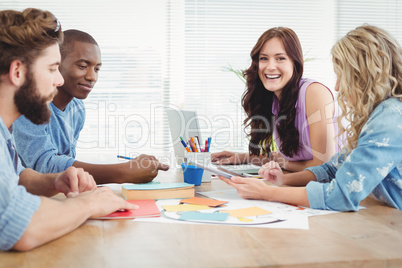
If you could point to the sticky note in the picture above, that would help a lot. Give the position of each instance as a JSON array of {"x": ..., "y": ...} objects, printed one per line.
[
  {"x": 246, "y": 212},
  {"x": 199, "y": 216},
  {"x": 184, "y": 207},
  {"x": 203, "y": 201}
]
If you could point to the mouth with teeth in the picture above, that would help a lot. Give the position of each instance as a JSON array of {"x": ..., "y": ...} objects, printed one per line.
[{"x": 272, "y": 76}]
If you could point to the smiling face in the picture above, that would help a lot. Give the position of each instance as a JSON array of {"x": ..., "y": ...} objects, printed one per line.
[
  {"x": 80, "y": 70},
  {"x": 275, "y": 68}
]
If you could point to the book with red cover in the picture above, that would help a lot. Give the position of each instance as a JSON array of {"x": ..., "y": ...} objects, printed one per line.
[{"x": 147, "y": 208}]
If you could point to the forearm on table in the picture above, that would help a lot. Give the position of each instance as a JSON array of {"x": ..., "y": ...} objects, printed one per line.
[
  {"x": 53, "y": 219},
  {"x": 37, "y": 183},
  {"x": 289, "y": 195},
  {"x": 298, "y": 178},
  {"x": 104, "y": 173}
]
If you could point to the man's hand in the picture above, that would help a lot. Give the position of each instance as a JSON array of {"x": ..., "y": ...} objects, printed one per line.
[
  {"x": 74, "y": 181},
  {"x": 142, "y": 169},
  {"x": 102, "y": 201}
]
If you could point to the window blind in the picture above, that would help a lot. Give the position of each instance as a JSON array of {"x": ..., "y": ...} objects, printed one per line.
[{"x": 162, "y": 54}]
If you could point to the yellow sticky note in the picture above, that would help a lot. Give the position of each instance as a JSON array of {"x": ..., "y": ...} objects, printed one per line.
[
  {"x": 184, "y": 207},
  {"x": 247, "y": 212}
]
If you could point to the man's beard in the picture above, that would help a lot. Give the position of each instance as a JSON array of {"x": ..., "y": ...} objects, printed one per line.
[{"x": 30, "y": 103}]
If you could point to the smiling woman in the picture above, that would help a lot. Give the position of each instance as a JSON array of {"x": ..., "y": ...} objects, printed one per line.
[{"x": 276, "y": 91}]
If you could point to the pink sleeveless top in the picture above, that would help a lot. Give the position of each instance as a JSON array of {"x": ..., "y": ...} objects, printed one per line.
[{"x": 301, "y": 123}]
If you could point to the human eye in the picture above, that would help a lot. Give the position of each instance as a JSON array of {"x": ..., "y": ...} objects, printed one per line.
[
  {"x": 97, "y": 69},
  {"x": 53, "y": 69},
  {"x": 281, "y": 58},
  {"x": 82, "y": 66},
  {"x": 263, "y": 58}
]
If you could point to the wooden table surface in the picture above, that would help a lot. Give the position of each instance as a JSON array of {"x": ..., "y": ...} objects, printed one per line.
[{"x": 371, "y": 237}]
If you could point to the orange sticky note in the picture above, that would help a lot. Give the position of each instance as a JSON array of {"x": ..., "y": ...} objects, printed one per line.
[
  {"x": 203, "y": 201},
  {"x": 184, "y": 207},
  {"x": 247, "y": 212}
]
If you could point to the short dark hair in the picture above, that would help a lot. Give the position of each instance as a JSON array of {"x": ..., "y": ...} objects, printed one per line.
[
  {"x": 72, "y": 36},
  {"x": 24, "y": 35}
]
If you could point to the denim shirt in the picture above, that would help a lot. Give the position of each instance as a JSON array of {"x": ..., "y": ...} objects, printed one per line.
[
  {"x": 17, "y": 206},
  {"x": 50, "y": 148},
  {"x": 373, "y": 167}
]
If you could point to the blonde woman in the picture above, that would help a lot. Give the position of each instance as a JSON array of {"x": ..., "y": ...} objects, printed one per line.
[{"x": 368, "y": 65}]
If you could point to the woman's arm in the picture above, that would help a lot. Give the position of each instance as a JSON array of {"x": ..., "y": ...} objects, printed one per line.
[
  {"x": 226, "y": 157},
  {"x": 320, "y": 113},
  {"x": 250, "y": 188}
]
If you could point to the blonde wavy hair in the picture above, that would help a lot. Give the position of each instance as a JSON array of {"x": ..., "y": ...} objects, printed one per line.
[{"x": 368, "y": 64}]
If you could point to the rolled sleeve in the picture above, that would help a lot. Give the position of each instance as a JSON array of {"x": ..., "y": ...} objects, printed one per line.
[
  {"x": 319, "y": 173},
  {"x": 315, "y": 194}
]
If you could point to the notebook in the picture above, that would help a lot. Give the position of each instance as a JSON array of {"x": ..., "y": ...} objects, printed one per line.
[{"x": 146, "y": 208}]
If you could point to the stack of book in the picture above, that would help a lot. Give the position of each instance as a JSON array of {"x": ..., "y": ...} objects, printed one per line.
[{"x": 157, "y": 191}]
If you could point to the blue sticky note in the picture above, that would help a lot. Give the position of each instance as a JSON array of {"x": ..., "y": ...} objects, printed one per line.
[{"x": 198, "y": 216}]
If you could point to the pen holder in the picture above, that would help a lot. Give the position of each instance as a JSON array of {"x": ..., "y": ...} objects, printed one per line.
[
  {"x": 192, "y": 174},
  {"x": 202, "y": 158}
]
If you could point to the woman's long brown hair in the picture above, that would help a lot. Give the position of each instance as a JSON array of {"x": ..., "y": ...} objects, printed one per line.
[{"x": 257, "y": 101}]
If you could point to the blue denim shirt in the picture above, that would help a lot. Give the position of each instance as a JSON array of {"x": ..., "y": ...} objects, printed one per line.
[
  {"x": 373, "y": 167},
  {"x": 50, "y": 148},
  {"x": 17, "y": 206}
]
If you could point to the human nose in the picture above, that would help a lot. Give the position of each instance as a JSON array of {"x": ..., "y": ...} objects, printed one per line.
[
  {"x": 91, "y": 75},
  {"x": 271, "y": 64},
  {"x": 59, "y": 81},
  {"x": 337, "y": 85}
]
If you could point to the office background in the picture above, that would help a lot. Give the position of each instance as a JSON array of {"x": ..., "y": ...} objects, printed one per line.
[{"x": 162, "y": 54}]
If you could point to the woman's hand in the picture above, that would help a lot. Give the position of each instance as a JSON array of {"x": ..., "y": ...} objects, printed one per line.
[
  {"x": 248, "y": 188},
  {"x": 226, "y": 158},
  {"x": 277, "y": 157},
  {"x": 272, "y": 172}
]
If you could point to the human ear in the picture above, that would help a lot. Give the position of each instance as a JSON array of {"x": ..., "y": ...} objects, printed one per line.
[{"x": 17, "y": 73}]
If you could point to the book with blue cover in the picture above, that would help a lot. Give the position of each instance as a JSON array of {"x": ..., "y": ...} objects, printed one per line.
[{"x": 157, "y": 191}]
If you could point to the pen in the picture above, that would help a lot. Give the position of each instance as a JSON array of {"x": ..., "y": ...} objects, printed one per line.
[
  {"x": 124, "y": 157},
  {"x": 198, "y": 142},
  {"x": 195, "y": 145},
  {"x": 191, "y": 146},
  {"x": 184, "y": 144},
  {"x": 209, "y": 143}
]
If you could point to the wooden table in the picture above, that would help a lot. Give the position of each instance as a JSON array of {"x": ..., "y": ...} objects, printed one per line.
[{"x": 371, "y": 237}]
